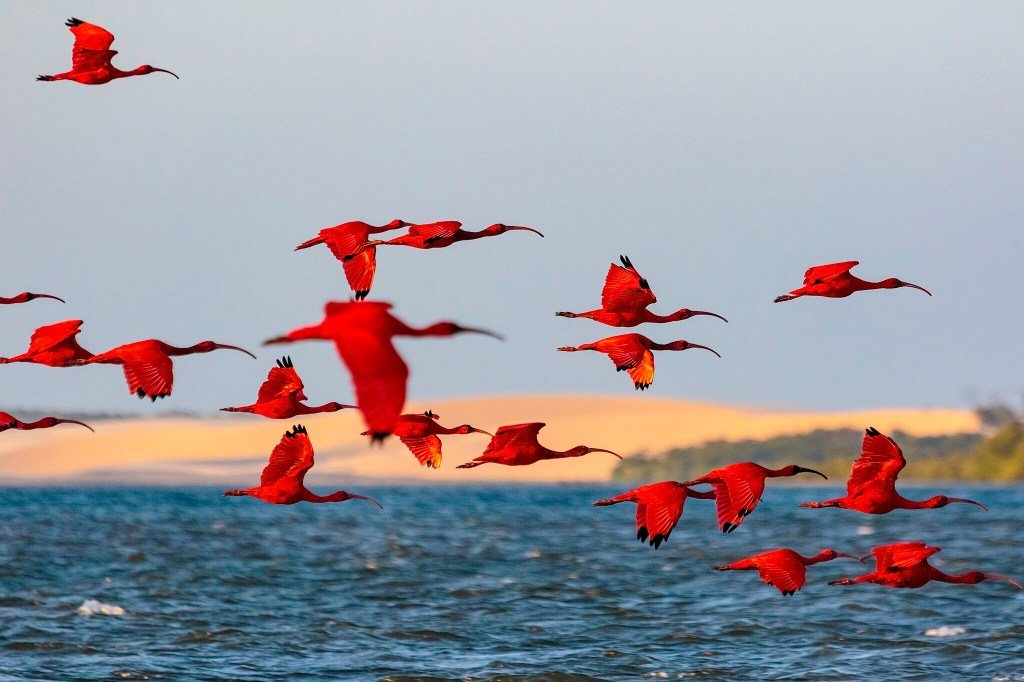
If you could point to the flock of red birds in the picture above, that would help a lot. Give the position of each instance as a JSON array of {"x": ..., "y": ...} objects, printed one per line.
[{"x": 362, "y": 332}]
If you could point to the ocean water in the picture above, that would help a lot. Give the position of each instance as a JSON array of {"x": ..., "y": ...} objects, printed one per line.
[{"x": 485, "y": 583}]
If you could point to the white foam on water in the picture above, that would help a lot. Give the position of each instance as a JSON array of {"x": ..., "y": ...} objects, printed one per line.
[
  {"x": 945, "y": 631},
  {"x": 865, "y": 530},
  {"x": 92, "y": 607},
  {"x": 534, "y": 554}
]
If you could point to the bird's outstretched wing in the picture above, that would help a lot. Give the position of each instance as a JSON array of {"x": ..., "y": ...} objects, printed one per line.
[
  {"x": 624, "y": 288},
  {"x": 781, "y": 571},
  {"x": 643, "y": 374},
  {"x": 359, "y": 271},
  {"x": 344, "y": 240},
  {"x": 292, "y": 458},
  {"x": 658, "y": 509},
  {"x": 379, "y": 375},
  {"x": 281, "y": 382},
  {"x": 735, "y": 498},
  {"x": 435, "y": 232},
  {"x": 149, "y": 375},
  {"x": 827, "y": 273},
  {"x": 901, "y": 555},
  {"x": 49, "y": 336},
  {"x": 426, "y": 449},
  {"x": 878, "y": 466},
  {"x": 92, "y": 45},
  {"x": 515, "y": 435},
  {"x": 623, "y": 352}
]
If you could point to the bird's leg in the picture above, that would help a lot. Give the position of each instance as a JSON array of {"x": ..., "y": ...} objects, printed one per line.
[
  {"x": 566, "y": 314},
  {"x": 820, "y": 505}
]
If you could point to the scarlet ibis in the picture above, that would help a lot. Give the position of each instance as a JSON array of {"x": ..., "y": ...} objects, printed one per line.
[
  {"x": 658, "y": 508},
  {"x": 91, "y": 55},
  {"x": 872, "y": 485},
  {"x": 835, "y": 281},
  {"x": 25, "y": 297},
  {"x": 738, "y": 489},
  {"x": 147, "y": 365},
  {"x": 625, "y": 299},
  {"x": 362, "y": 333},
  {"x": 348, "y": 243},
  {"x": 54, "y": 345},
  {"x": 632, "y": 353},
  {"x": 281, "y": 394},
  {"x": 445, "y": 233},
  {"x": 9, "y": 422},
  {"x": 282, "y": 481},
  {"x": 783, "y": 569},
  {"x": 517, "y": 445},
  {"x": 905, "y": 564},
  {"x": 419, "y": 433}
]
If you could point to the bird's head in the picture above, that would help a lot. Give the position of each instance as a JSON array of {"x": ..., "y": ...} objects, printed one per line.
[
  {"x": 501, "y": 228},
  {"x": 342, "y": 496},
  {"x": 210, "y": 346},
  {"x": 467, "y": 429},
  {"x": 941, "y": 501},
  {"x": 794, "y": 469},
  {"x": 686, "y": 345},
  {"x": 147, "y": 69},
  {"x": 451, "y": 329},
  {"x": 975, "y": 577},
  {"x": 893, "y": 283},
  {"x": 398, "y": 223},
  {"x": 581, "y": 450},
  {"x": 830, "y": 554},
  {"x": 686, "y": 313}
]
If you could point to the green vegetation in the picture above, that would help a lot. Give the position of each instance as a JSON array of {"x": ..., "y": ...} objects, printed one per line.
[{"x": 965, "y": 456}]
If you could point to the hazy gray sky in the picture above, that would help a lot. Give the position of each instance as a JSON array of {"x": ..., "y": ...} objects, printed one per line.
[{"x": 725, "y": 147}]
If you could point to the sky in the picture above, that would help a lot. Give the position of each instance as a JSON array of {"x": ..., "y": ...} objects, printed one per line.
[{"x": 725, "y": 147}]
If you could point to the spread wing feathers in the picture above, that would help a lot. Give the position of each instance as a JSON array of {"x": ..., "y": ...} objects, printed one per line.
[
  {"x": 52, "y": 335},
  {"x": 784, "y": 573},
  {"x": 625, "y": 289},
  {"x": 827, "y": 273},
  {"x": 281, "y": 382},
  {"x": 643, "y": 374},
  {"x": 343, "y": 241},
  {"x": 379, "y": 377},
  {"x": 658, "y": 510},
  {"x": 879, "y": 464},
  {"x": 359, "y": 271},
  {"x": 901, "y": 555},
  {"x": 735, "y": 498},
  {"x": 515, "y": 435},
  {"x": 624, "y": 354},
  {"x": 426, "y": 449},
  {"x": 433, "y": 232},
  {"x": 150, "y": 376},
  {"x": 292, "y": 458},
  {"x": 92, "y": 45}
]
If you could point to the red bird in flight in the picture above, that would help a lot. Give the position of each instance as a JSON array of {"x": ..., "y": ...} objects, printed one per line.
[
  {"x": 147, "y": 365},
  {"x": 54, "y": 345},
  {"x": 835, "y": 281},
  {"x": 658, "y": 508},
  {"x": 445, "y": 233},
  {"x": 625, "y": 299},
  {"x": 517, "y": 445},
  {"x": 362, "y": 333},
  {"x": 281, "y": 396},
  {"x": 905, "y": 565},
  {"x": 9, "y": 422},
  {"x": 872, "y": 485},
  {"x": 738, "y": 489},
  {"x": 282, "y": 481},
  {"x": 25, "y": 297},
  {"x": 419, "y": 433},
  {"x": 632, "y": 353},
  {"x": 91, "y": 55},
  {"x": 349, "y": 244},
  {"x": 783, "y": 569}
]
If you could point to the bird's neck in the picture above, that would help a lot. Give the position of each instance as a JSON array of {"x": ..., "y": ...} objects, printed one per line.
[
  {"x": 964, "y": 579},
  {"x": 468, "y": 235},
  {"x": 776, "y": 473},
  {"x": 930, "y": 503},
  {"x": 186, "y": 350},
  {"x": 577, "y": 451},
  {"x": 816, "y": 559},
  {"x": 865, "y": 285},
  {"x": 310, "y": 496},
  {"x": 436, "y": 329},
  {"x": 326, "y": 407}
]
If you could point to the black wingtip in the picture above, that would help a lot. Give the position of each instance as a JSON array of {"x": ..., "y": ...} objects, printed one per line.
[
  {"x": 872, "y": 431},
  {"x": 73, "y": 22},
  {"x": 296, "y": 430},
  {"x": 625, "y": 261}
]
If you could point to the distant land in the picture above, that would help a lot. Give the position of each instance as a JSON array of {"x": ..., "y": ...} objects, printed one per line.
[{"x": 232, "y": 449}]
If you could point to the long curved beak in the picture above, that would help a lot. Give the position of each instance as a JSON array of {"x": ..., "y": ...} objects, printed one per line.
[
  {"x": 72, "y": 421},
  {"x": 849, "y": 556},
  {"x": 704, "y": 312},
  {"x": 914, "y": 286},
  {"x": 240, "y": 350},
  {"x": 697, "y": 345},
  {"x": 800, "y": 470},
  {"x": 485, "y": 332},
  {"x": 519, "y": 227},
  {"x": 55, "y": 298},
  {"x": 367, "y": 499},
  {"x": 476, "y": 430},
  {"x": 966, "y": 501},
  {"x": 993, "y": 576},
  {"x": 608, "y": 451},
  {"x": 166, "y": 71}
]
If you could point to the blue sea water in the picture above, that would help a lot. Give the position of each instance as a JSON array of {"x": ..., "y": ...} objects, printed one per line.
[{"x": 485, "y": 583}]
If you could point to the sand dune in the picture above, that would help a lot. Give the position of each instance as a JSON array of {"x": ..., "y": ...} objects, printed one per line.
[{"x": 233, "y": 449}]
